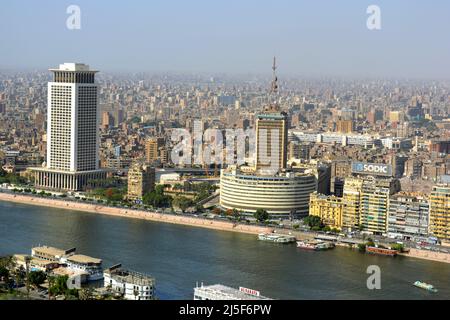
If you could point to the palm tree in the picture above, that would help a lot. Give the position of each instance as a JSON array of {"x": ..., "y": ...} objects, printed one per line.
[
  {"x": 27, "y": 278},
  {"x": 51, "y": 282}
]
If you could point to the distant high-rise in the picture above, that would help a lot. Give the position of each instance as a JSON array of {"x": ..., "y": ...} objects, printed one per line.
[
  {"x": 345, "y": 126},
  {"x": 72, "y": 130},
  {"x": 283, "y": 193},
  {"x": 272, "y": 134},
  {"x": 271, "y": 137},
  {"x": 152, "y": 148}
]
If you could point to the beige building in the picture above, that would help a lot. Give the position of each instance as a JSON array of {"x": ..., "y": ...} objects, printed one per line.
[
  {"x": 271, "y": 139},
  {"x": 440, "y": 212},
  {"x": 328, "y": 208},
  {"x": 152, "y": 149},
  {"x": 351, "y": 200},
  {"x": 281, "y": 195},
  {"x": 374, "y": 205},
  {"x": 141, "y": 180},
  {"x": 344, "y": 126}
]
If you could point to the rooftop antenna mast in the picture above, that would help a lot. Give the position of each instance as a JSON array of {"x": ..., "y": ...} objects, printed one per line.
[
  {"x": 274, "y": 76},
  {"x": 274, "y": 86}
]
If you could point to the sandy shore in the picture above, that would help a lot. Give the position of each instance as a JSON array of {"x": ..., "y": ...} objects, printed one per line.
[
  {"x": 145, "y": 215},
  {"x": 194, "y": 222}
]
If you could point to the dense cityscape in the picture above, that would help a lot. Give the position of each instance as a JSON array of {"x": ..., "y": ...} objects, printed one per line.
[
  {"x": 367, "y": 159},
  {"x": 122, "y": 180}
]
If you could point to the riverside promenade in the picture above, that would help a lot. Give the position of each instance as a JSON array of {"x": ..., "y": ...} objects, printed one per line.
[
  {"x": 137, "y": 214},
  {"x": 186, "y": 220}
]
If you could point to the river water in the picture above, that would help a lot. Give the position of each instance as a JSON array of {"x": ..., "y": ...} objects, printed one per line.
[{"x": 179, "y": 256}]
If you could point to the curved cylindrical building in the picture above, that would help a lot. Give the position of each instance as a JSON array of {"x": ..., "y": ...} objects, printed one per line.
[{"x": 280, "y": 194}]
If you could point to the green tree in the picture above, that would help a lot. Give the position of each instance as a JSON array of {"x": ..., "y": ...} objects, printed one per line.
[
  {"x": 4, "y": 273},
  {"x": 182, "y": 202},
  {"x": 58, "y": 285},
  {"x": 178, "y": 186},
  {"x": 86, "y": 294},
  {"x": 313, "y": 222},
  {"x": 157, "y": 199},
  {"x": 236, "y": 214},
  {"x": 261, "y": 215},
  {"x": 362, "y": 247},
  {"x": 36, "y": 278},
  {"x": 6, "y": 265},
  {"x": 370, "y": 242},
  {"x": 398, "y": 246}
]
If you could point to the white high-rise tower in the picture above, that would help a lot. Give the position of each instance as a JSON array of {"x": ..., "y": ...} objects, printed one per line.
[{"x": 72, "y": 130}]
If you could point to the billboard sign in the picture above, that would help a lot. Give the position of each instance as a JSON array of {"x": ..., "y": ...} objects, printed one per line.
[
  {"x": 375, "y": 169},
  {"x": 249, "y": 291}
]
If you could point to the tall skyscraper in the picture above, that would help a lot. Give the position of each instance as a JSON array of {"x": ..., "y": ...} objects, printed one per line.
[
  {"x": 271, "y": 137},
  {"x": 283, "y": 193},
  {"x": 272, "y": 134},
  {"x": 72, "y": 130}
]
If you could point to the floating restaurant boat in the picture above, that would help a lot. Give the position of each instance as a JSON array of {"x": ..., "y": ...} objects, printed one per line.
[
  {"x": 382, "y": 251},
  {"x": 278, "y": 238},
  {"x": 315, "y": 245},
  {"x": 426, "y": 286}
]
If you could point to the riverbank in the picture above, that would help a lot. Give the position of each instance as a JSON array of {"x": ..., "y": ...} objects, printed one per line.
[
  {"x": 137, "y": 214},
  {"x": 413, "y": 253},
  {"x": 189, "y": 221}
]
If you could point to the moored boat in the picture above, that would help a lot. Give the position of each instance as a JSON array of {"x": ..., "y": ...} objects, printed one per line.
[
  {"x": 382, "y": 251},
  {"x": 425, "y": 286},
  {"x": 278, "y": 238},
  {"x": 305, "y": 245},
  {"x": 314, "y": 245}
]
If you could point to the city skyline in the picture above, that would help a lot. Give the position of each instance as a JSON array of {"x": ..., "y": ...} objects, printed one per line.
[
  {"x": 311, "y": 40},
  {"x": 153, "y": 137}
]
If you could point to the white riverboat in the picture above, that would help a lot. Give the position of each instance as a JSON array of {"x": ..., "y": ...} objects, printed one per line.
[{"x": 278, "y": 238}]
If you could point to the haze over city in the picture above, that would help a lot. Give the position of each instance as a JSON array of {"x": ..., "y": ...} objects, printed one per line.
[
  {"x": 225, "y": 150},
  {"x": 326, "y": 38}
]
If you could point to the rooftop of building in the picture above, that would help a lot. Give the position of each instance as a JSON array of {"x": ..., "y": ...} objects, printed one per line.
[
  {"x": 49, "y": 251},
  {"x": 73, "y": 66},
  {"x": 413, "y": 196},
  {"x": 32, "y": 260},
  {"x": 81, "y": 258},
  {"x": 265, "y": 174},
  {"x": 129, "y": 276}
]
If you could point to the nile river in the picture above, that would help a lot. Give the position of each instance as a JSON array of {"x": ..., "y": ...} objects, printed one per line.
[{"x": 179, "y": 256}]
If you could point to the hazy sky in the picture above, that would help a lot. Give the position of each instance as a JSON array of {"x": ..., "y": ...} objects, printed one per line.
[{"x": 311, "y": 38}]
